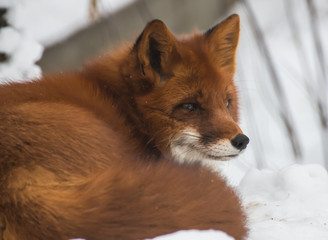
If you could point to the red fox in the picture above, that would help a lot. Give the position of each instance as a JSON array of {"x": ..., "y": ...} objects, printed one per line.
[{"x": 112, "y": 151}]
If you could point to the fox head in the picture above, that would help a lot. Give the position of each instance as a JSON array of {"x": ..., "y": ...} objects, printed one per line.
[{"x": 184, "y": 91}]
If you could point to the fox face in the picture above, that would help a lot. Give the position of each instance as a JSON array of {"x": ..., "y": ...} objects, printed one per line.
[{"x": 188, "y": 100}]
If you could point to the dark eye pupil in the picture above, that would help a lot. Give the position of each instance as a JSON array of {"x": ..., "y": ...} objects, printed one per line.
[{"x": 190, "y": 106}]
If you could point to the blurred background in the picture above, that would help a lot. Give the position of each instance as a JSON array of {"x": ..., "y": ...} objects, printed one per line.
[{"x": 281, "y": 69}]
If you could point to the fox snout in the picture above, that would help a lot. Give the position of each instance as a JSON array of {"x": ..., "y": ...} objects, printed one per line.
[
  {"x": 189, "y": 146},
  {"x": 240, "y": 141}
]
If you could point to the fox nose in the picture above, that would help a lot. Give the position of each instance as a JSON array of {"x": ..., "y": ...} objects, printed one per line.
[{"x": 240, "y": 141}]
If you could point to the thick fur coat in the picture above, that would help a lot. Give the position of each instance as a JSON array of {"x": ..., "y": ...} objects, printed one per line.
[{"x": 112, "y": 151}]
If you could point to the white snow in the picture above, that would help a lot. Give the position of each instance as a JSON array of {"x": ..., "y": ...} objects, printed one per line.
[
  {"x": 288, "y": 204},
  {"x": 51, "y": 21},
  {"x": 36, "y": 22},
  {"x": 191, "y": 235},
  {"x": 17, "y": 43},
  {"x": 21, "y": 63},
  {"x": 283, "y": 201},
  {"x": 195, "y": 235}
]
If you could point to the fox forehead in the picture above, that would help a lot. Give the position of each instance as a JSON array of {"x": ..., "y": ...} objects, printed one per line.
[
  {"x": 197, "y": 76},
  {"x": 198, "y": 67}
]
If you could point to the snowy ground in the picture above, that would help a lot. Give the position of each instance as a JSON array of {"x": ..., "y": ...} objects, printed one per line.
[
  {"x": 288, "y": 204},
  {"x": 283, "y": 201}
]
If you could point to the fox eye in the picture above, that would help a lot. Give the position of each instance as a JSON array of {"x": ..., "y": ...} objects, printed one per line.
[
  {"x": 228, "y": 103},
  {"x": 190, "y": 107}
]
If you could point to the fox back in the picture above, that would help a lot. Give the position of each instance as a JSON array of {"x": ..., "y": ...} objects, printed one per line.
[{"x": 113, "y": 151}]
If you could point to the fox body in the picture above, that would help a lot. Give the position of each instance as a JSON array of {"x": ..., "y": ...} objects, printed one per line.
[{"x": 112, "y": 151}]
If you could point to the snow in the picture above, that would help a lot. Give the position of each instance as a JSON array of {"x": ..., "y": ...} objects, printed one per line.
[
  {"x": 283, "y": 200},
  {"x": 195, "y": 235},
  {"x": 60, "y": 18},
  {"x": 22, "y": 49},
  {"x": 35, "y": 24},
  {"x": 191, "y": 235},
  {"x": 288, "y": 204}
]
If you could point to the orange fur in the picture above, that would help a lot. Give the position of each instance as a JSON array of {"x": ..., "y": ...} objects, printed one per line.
[{"x": 88, "y": 154}]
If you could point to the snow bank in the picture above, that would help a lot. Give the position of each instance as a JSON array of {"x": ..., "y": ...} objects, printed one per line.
[
  {"x": 60, "y": 18},
  {"x": 191, "y": 235},
  {"x": 23, "y": 51},
  {"x": 195, "y": 235},
  {"x": 287, "y": 204}
]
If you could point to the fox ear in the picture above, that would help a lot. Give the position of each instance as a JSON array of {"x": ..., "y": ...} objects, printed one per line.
[
  {"x": 223, "y": 41},
  {"x": 156, "y": 49}
]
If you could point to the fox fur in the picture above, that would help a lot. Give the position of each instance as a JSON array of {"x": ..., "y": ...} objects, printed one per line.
[{"x": 112, "y": 151}]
